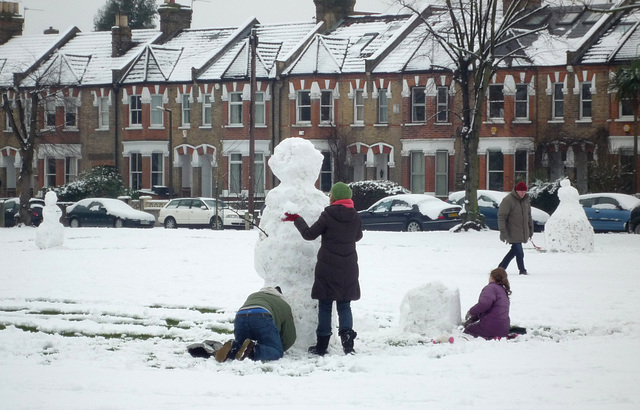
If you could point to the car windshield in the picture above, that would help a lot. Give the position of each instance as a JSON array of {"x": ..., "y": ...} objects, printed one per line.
[{"x": 212, "y": 203}]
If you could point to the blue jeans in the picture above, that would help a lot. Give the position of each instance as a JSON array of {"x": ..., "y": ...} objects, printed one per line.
[
  {"x": 345, "y": 318},
  {"x": 261, "y": 328},
  {"x": 517, "y": 252}
]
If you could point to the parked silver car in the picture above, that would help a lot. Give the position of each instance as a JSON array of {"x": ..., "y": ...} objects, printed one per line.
[{"x": 200, "y": 213}]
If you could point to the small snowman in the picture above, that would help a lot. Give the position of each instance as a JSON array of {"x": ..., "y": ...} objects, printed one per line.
[
  {"x": 50, "y": 233},
  {"x": 283, "y": 258},
  {"x": 568, "y": 229}
]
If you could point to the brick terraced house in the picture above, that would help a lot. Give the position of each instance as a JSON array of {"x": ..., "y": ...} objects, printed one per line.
[{"x": 171, "y": 107}]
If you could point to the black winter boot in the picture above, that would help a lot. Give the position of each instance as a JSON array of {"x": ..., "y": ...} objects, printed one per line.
[
  {"x": 321, "y": 346},
  {"x": 347, "y": 336}
]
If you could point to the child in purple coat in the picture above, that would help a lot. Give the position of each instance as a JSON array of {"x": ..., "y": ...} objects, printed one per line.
[{"x": 489, "y": 318}]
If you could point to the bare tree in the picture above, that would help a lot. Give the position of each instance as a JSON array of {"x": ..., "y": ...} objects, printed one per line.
[
  {"x": 22, "y": 104},
  {"x": 478, "y": 37}
]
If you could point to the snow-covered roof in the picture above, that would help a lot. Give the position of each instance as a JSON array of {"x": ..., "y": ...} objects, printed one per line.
[
  {"x": 20, "y": 53},
  {"x": 86, "y": 58},
  {"x": 619, "y": 43},
  {"x": 275, "y": 43},
  {"x": 346, "y": 49}
]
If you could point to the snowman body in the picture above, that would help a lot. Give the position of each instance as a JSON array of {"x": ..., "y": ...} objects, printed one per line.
[
  {"x": 283, "y": 258},
  {"x": 50, "y": 233},
  {"x": 568, "y": 229}
]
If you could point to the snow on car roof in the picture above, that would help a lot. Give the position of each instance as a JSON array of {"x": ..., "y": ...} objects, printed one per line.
[
  {"x": 115, "y": 207},
  {"x": 628, "y": 202}
]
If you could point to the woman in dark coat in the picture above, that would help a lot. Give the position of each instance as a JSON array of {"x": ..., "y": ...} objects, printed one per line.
[
  {"x": 336, "y": 272},
  {"x": 489, "y": 318}
]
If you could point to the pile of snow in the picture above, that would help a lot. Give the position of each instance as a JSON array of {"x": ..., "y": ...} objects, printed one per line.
[
  {"x": 431, "y": 309},
  {"x": 283, "y": 258},
  {"x": 568, "y": 229},
  {"x": 50, "y": 233}
]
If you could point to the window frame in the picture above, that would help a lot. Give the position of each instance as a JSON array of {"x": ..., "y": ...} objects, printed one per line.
[
  {"x": 557, "y": 102},
  {"x": 70, "y": 169},
  {"x": 135, "y": 171},
  {"x": 326, "y": 172},
  {"x": 260, "y": 117},
  {"x": 326, "y": 109},
  {"x": 383, "y": 106},
  {"x": 358, "y": 106},
  {"x": 70, "y": 114},
  {"x": 236, "y": 106},
  {"x": 235, "y": 173},
  {"x": 50, "y": 171},
  {"x": 492, "y": 173},
  {"x": 625, "y": 105},
  {"x": 417, "y": 172},
  {"x": 521, "y": 103},
  {"x": 207, "y": 110},
  {"x": 494, "y": 103},
  {"x": 156, "y": 101},
  {"x": 441, "y": 175},
  {"x": 157, "y": 169},
  {"x": 442, "y": 107},
  {"x": 585, "y": 88},
  {"x": 185, "y": 110},
  {"x": 303, "y": 108},
  {"x": 103, "y": 113},
  {"x": 135, "y": 111},
  {"x": 50, "y": 114},
  {"x": 259, "y": 173},
  {"x": 417, "y": 106},
  {"x": 520, "y": 169}
]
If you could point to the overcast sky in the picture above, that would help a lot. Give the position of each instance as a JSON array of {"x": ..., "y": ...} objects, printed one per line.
[{"x": 62, "y": 14}]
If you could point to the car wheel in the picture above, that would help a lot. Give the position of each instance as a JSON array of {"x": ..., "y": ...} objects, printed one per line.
[
  {"x": 170, "y": 223},
  {"x": 413, "y": 226},
  {"x": 216, "y": 224},
  {"x": 118, "y": 223},
  {"x": 74, "y": 223},
  {"x": 636, "y": 228}
]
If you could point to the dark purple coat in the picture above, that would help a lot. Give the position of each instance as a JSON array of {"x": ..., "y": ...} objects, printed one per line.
[
  {"x": 336, "y": 273},
  {"x": 492, "y": 310}
]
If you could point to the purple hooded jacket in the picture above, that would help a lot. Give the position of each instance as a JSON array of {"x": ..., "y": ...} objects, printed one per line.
[{"x": 491, "y": 313}]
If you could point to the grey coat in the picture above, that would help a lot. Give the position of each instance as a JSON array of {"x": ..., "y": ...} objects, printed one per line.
[{"x": 514, "y": 218}]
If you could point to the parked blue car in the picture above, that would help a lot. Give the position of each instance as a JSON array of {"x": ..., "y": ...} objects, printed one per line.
[
  {"x": 609, "y": 212},
  {"x": 488, "y": 204}
]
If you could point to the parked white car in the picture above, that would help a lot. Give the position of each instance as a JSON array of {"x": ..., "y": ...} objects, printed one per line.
[{"x": 200, "y": 213}]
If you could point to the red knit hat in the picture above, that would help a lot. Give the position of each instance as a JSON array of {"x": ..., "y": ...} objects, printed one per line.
[{"x": 521, "y": 186}]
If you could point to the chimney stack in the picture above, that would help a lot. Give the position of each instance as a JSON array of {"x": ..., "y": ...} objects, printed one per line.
[
  {"x": 332, "y": 11},
  {"x": 120, "y": 36},
  {"x": 174, "y": 18},
  {"x": 11, "y": 22}
]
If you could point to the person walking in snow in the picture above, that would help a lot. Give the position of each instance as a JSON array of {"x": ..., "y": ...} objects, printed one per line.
[
  {"x": 336, "y": 272},
  {"x": 489, "y": 318},
  {"x": 263, "y": 328},
  {"x": 515, "y": 224}
]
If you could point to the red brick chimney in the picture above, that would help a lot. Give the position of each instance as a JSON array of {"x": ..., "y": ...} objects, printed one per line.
[
  {"x": 332, "y": 11},
  {"x": 173, "y": 18},
  {"x": 11, "y": 22},
  {"x": 120, "y": 36}
]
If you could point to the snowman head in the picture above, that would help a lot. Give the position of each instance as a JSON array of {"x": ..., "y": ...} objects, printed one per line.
[
  {"x": 296, "y": 161},
  {"x": 567, "y": 193},
  {"x": 50, "y": 198}
]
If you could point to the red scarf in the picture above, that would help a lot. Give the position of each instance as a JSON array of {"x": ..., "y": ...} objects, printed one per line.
[{"x": 344, "y": 202}]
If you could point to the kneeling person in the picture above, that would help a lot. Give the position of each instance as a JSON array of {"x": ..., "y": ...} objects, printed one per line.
[{"x": 263, "y": 328}]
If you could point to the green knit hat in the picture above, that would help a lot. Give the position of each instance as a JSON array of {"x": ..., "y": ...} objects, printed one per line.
[{"x": 340, "y": 190}]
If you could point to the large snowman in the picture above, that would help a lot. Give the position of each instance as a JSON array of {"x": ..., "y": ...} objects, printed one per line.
[
  {"x": 50, "y": 232},
  {"x": 283, "y": 258},
  {"x": 568, "y": 229}
]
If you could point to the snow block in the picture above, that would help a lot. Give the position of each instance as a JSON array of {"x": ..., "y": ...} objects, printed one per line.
[{"x": 431, "y": 309}]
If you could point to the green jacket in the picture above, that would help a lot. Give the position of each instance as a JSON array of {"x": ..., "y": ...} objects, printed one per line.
[
  {"x": 514, "y": 218},
  {"x": 272, "y": 300}
]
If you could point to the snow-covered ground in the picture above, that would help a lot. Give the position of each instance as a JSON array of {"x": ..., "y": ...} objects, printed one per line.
[{"x": 103, "y": 321}]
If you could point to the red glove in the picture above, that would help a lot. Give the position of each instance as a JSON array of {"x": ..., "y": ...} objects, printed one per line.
[{"x": 290, "y": 217}]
